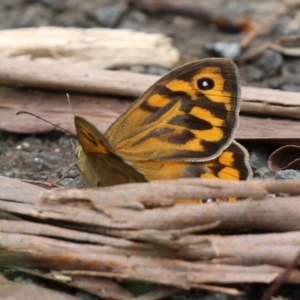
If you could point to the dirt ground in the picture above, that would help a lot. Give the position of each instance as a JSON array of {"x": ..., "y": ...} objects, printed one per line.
[{"x": 47, "y": 157}]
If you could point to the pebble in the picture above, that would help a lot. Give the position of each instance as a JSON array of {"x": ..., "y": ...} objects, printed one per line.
[
  {"x": 9, "y": 173},
  {"x": 183, "y": 22},
  {"x": 110, "y": 16},
  {"x": 270, "y": 63},
  {"x": 12, "y": 4},
  {"x": 72, "y": 173},
  {"x": 138, "y": 69},
  {"x": 215, "y": 296},
  {"x": 3, "y": 147},
  {"x": 51, "y": 157},
  {"x": 64, "y": 142},
  {"x": 258, "y": 157},
  {"x": 133, "y": 20},
  {"x": 296, "y": 67},
  {"x": 290, "y": 88},
  {"x": 27, "y": 19},
  {"x": 36, "y": 163},
  {"x": 224, "y": 49},
  {"x": 56, "y": 5},
  {"x": 29, "y": 144},
  {"x": 156, "y": 70},
  {"x": 276, "y": 83},
  {"x": 286, "y": 25},
  {"x": 255, "y": 74},
  {"x": 263, "y": 173},
  {"x": 71, "y": 182},
  {"x": 287, "y": 174},
  {"x": 37, "y": 176}
]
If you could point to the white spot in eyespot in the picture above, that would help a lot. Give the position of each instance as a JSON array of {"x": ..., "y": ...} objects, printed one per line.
[{"x": 209, "y": 200}]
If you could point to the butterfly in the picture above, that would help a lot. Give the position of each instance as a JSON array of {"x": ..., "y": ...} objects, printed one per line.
[{"x": 182, "y": 126}]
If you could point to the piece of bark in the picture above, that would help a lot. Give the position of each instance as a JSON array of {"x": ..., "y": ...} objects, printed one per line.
[
  {"x": 94, "y": 47},
  {"x": 102, "y": 111},
  {"x": 181, "y": 274},
  {"x": 286, "y": 157},
  {"x": 266, "y": 215},
  {"x": 232, "y": 250},
  {"x": 121, "y": 83}
]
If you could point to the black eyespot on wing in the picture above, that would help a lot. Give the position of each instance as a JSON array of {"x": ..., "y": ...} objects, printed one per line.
[{"x": 205, "y": 84}]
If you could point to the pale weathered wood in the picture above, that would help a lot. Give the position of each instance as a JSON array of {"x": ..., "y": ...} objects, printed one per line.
[{"x": 93, "y": 47}]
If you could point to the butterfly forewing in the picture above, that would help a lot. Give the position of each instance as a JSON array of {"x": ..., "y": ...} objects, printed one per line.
[
  {"x": 99, "y": 164},
  {"x": 188, "y": 115}
]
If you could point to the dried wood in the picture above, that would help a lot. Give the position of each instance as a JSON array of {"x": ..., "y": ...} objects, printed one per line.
[
  {"x": 286, "y": 157},
  {"x": 266, "y": 25},
  {"x": 155, "y": 241},
  {"x": 126, "y": 84},
  {"x": 102, "y": 111},
  {"x": 266, "y": 215},
  {"x": 93, "y": 47},
  {"x": 181, "y": 274}
]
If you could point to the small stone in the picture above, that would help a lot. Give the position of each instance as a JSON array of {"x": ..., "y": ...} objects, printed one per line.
[
  {"x": 12, "y": 4},
  {"x": 110, "y": 16},
  {"x": 51, "y": 157},
  {"x": 133, "y": 20},
  {"x": 57, "y": 5},
  {"x": 285, "y": 25},
  {"x": 296, "y": 67},
  {"x": 263, "y": 173},
  {"x": 138, "y": 69},
  {"x": 287, "y": 174},
  {"x": 215, "y": 296},
  {"x": 64, "y": 142},
  {"x": 9, "y": 173},
  {"x": 36, "y": 163},
  {"x": 29, "y": 144},
  {"x": 156, "y": 70},
  {"x": 183, "y": 22},
  {"x": 276, "y": 83},
  {"x": 258, "y": 157},
  {"x": 270, "y": 63},
  {"x": 71, "y": 182},
  {"x": 224, "y": 49},
  {"x": 3, "y": 147},
  {"x": 255, "y": 74},
  {"x": 27, "y": 19},
  {"x": 72, "y": 173},
  {"x": 290, "y": 88},
  {"x": 37, "y": 176}
]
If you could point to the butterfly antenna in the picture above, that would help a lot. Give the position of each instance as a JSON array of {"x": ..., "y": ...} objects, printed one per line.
[
  {"x": 68, "y": 97},
  {"x": 31, "y": 114}
]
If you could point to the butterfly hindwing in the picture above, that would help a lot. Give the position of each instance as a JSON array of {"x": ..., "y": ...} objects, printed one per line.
[
  {"x": 188, "y": 115},
  {"x": 231, "y": 164}
]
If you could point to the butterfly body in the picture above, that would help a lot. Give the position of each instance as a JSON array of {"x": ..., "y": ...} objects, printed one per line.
[{"x": 182, "y": 126}]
